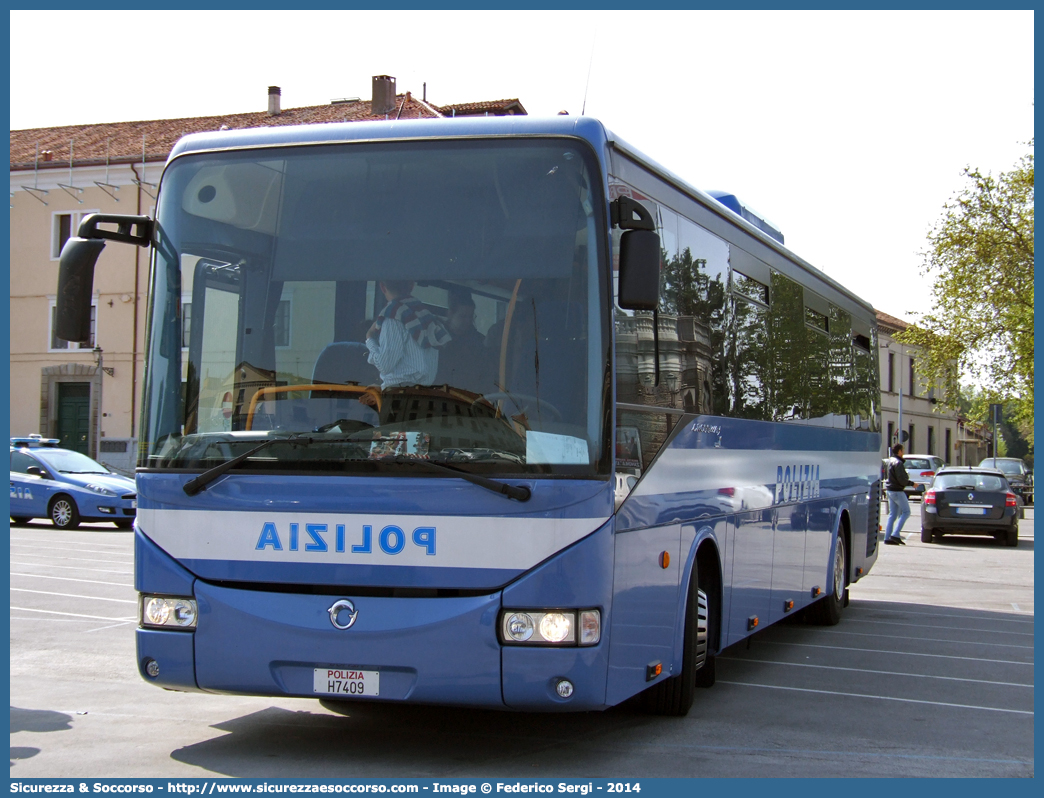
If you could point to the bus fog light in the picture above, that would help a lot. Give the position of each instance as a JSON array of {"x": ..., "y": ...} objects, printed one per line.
[
  {"x": 556, "y": 627},
  {"x": 564, "y": 688},
  {"x": 167, "y": 611},
  {"x": 152, "y": 668},
  {"x": 590, "y": 627},
  {"x": 519, "y": 627}
]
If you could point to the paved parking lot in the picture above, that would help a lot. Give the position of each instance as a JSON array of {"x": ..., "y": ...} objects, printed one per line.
[{"x": 930, "y": 673}]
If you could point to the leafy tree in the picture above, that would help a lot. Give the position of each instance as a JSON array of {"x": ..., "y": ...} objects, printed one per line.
[
  {"x": 980, "y": 258},
  {"x": 1015, "y": 437}
]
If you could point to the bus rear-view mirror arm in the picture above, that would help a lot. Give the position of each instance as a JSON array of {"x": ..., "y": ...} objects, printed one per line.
[
  {"x": 639, "y": 283},
  {"x": 76, "y": 268}
]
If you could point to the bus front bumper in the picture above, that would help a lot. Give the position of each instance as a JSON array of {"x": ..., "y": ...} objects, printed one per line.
[{"x": 425, "y": 650}]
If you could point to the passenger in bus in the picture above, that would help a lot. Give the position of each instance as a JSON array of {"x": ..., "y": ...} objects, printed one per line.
[
  {"x": 405, "y": 338},
  {"x": 464, "y": 362}
]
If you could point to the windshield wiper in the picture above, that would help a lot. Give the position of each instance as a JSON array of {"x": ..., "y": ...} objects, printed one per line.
[
  {"x": 519, "y": 492},
  {"x": 196, "y": 484}
]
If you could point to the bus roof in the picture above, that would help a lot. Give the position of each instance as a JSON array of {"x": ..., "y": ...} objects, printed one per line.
[{"x": 585, "y": 127}]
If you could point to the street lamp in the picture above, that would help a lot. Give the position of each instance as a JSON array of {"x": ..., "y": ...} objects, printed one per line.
[{"x": 899, "y": 429}]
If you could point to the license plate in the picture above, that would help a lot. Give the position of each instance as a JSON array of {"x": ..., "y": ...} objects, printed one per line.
[
  {"x": 346, "y": 681},
  {"x": 134, "y": 504},
  {"x": 971, "y": 511}
]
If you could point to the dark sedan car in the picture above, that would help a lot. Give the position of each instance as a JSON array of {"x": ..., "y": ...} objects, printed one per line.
[
  {"x": 1016, "y": 472},
  {"x": 970, "y": 501}
]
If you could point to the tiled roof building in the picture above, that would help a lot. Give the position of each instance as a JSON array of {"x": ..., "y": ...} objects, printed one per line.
[
  {"x": 152, "y": 140},
  {"x": 910, "y": 409},
  {"x": 87, "y": 395}
]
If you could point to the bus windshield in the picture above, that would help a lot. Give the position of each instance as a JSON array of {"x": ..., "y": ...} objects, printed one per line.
[{"x": 443, "y": 300}]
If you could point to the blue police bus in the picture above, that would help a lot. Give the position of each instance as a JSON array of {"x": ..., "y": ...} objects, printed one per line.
[{"x": 644, "y": 431}]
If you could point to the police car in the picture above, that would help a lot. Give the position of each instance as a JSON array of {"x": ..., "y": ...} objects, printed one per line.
[{"x": 66, "y": 486}]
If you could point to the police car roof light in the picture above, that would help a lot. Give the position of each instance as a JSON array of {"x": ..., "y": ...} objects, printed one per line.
[{"x": 34, "y": 440}]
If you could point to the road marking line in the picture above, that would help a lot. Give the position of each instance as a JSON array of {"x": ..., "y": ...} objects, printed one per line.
[
  {"x": 51, "y": 557},
  {"x": 73, "y": 579},
  {"x": 110, "y": 626},
  {"x": 878, "y": 697},
  {"x": 65, "y": 543},
  {"x": 934, "y": 626},
  {"x": 74, "y": 614},
  {"x": 859, "y": 604},
  {"x": 72, "y": 595},
  {"x": 904, "y": 653},
  {"x": 923, "y": 639},
  {"x": 72, "y": 568},
  {"x": 866, "y": 670}
]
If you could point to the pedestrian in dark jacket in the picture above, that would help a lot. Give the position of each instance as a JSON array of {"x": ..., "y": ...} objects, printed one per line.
[{"x": 898, "y": 505}]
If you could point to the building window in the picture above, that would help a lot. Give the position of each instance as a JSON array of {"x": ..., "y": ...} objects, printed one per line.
[
  {"x": 931, "y": 440},
  {"x": 59, "y": 345},
  {"x": 891, "y": 372},
  {"x": 64, "y": 225},
  {"x": 891, "y": 433},
  {"x": 949, "y": 446},
  {"x": 912, "y": 377},
  {"x": 910, "y": 440}
]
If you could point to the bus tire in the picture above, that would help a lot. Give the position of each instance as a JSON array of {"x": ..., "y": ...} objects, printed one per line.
[
  {"x": 827, "y": 611},
  {"x": 673, "y": 696}
]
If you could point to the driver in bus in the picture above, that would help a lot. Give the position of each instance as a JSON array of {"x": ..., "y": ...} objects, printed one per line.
[{"x": 405, "y": 338}]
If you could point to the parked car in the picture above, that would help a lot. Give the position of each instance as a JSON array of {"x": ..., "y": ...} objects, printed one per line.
[
  {"x": 1019, "y": 475},
  {"x": 66, "y": 486},
  {"x": 970, "y": 501},
  {"x": 921, "y": 468}
]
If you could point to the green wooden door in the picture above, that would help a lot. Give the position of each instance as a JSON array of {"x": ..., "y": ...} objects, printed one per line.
[{"x": 74, "y": 415}]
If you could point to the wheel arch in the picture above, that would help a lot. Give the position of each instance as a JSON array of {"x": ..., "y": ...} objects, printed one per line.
[{"x": 703, "y": 559}]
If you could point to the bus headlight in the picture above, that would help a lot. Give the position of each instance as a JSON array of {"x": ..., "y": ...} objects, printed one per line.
[
  {"x": 168, "y": 612},
  {"x": 550, "y": 627}
]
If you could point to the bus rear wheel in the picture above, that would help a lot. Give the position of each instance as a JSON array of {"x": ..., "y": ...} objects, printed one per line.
[
  {"x": 674, "y": 695},
  {"x": 827, "y": 611}
]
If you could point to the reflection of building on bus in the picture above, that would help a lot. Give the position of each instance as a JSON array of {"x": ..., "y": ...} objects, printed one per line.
[{"x": 594, "y": 511}]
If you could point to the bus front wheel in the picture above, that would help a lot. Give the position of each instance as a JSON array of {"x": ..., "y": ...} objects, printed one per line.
[{"x": 674, "y": 695}]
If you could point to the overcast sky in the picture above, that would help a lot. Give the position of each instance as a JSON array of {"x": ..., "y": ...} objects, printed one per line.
[{"x": 849, "y": 130}]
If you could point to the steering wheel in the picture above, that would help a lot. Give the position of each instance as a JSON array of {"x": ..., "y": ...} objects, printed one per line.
[{"x": 521, "y": 402}]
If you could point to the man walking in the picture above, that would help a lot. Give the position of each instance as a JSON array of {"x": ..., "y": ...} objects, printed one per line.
[{"x": 898, "y": 504}]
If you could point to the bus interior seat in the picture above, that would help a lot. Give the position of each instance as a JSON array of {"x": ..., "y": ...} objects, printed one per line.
[{"x": 344, "y": 362}]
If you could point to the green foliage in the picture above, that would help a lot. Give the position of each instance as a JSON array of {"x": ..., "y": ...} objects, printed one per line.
[
  {"x": 980, "y": 259},
  {"x": 1015, "y": 434}
]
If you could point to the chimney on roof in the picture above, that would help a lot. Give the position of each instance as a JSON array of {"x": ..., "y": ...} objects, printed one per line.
[
  {"x": 383, "y": 101},
  {"x": 273, "y": 100}
]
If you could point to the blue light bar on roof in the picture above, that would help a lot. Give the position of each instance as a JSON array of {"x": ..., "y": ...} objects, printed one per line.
[
  {"x": 34, "y": 440},
  {"x": 740, "y": 208}
]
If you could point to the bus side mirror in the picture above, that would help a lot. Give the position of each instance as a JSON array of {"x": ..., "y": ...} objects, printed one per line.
[
  {"x": 75, "y": 286},
  {"x": 76, "y": 269},
  {"x": 639, "y": 287},
  {"x": 639, "y": 284}
]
